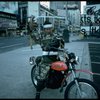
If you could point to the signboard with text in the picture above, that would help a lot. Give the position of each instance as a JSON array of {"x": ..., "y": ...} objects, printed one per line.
[
  {"x": 9, "y": 7},
  {"x": 92, "y": 9},
  {"x": 90, "y": 20}
]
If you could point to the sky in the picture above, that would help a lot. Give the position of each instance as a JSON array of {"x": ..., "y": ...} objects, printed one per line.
[
  {"x": 83, "y": 3},
  {"x": 45, "y": 3}
]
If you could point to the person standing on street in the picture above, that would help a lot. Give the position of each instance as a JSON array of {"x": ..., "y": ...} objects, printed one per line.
[{"x": 31, "y": 27}]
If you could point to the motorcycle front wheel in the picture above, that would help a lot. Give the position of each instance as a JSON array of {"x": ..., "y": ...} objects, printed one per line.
[{"x": 87, "y": 88}]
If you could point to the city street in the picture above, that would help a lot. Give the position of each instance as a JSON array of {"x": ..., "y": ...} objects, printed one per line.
[
  {"x": 11, "y": 43},
  {"x": 77, "y": 21},
  {"x": 15, "y": 72},
  {"x": 15, "y": 75},
  {"x": 18, "y": 21},
  {"x": 15, "y": 80}
]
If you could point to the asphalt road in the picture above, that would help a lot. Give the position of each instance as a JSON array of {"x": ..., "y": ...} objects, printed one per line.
[
  {"x": 15, "y": 80},
  {"x": 15, "y": 75},
  {"x": 12, "y": 43},
  {"x": 15, "y": 72}
]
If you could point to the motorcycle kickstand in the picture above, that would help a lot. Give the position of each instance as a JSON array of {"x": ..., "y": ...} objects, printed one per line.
[
  {"x": 61, "y": 89},
  {"x": 37, "y": 95},
  {"x": 62, "y": 86}
]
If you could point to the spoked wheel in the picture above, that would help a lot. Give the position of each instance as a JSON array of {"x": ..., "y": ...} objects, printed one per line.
[
  {"x": 88, "y": 90},
  {"x": 33, "y": 76}
]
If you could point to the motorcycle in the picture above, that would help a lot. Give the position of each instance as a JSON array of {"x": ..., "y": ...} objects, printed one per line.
[{"x": 57, "y": 77}]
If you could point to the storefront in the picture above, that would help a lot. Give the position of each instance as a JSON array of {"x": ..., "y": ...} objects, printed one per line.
[
  {"x": 8, "y": 24},
  {"x": 8, "y": 18}
]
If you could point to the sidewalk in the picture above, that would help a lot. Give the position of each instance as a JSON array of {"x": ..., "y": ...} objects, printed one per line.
[{"x": 80, "y": 48}]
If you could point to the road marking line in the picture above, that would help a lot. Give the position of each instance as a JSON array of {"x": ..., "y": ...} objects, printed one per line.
[{"x": 11, "y": 45}]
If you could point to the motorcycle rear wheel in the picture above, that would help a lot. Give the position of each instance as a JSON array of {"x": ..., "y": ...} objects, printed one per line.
[
  {"x": 33, "y": 76},
  {"x": 87, "y": 87}
]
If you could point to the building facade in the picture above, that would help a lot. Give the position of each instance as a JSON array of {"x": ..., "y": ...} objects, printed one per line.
[
  {"x": 28, "y": 9},
  {"x": 14, "y": 15},
  {"x": 8, "y": 18},
  {"x": 68, "y": 9},
  {"x": 22, "y": 14}
]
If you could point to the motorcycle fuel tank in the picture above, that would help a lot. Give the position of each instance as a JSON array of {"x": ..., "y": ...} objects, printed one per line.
[{"x": 59, "y": 66}]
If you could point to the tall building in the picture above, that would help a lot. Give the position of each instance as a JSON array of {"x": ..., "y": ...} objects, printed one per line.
[
  {"x": 68, "y": 9},
  {"x": 61, "y": 4},
  {"x": 57, "y": 5},
  {"x": 31, "y": 8},
  {"x": 22, "y": 13},
  {"x": 74, "y": 8},
  {"x": 8, "y": 18}
]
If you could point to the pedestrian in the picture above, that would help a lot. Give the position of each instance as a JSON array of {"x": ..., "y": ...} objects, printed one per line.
[
  {"x": 66, "y": 35},
  {"x": 31, "y": 27},
  {"x": 48, "y": 42}
]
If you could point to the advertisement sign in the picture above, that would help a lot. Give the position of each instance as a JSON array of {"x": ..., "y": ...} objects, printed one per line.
[
  {"x": 92, "y": 9},
  {"x": 91, "y": 15},
  {"x": 87, "y": 19},
  {"x": 9, "y": 7},
  {"x": 90, "y": 20},
  {"x": 8, "y": 23}
]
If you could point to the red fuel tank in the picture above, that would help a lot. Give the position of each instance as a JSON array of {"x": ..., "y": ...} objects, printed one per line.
[{"x": 59, "y": 66}]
